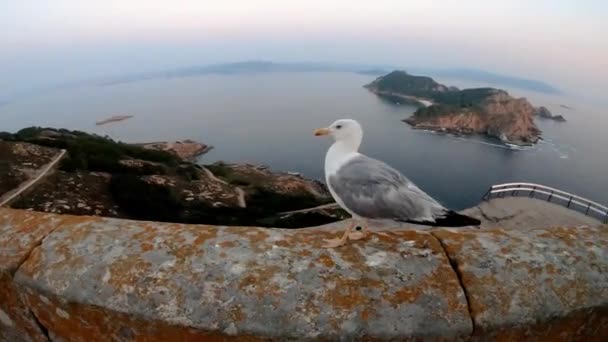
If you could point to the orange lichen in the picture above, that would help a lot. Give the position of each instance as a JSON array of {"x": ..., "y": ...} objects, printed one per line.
[
  {"x": 204, "y": 235},
  {"x": 146, "y": 246},
  {"x": 282, "y": 243},
  {"x": 228, "y": 244},
  {"x": 89, "y": 323},
  {"x": 27, "y": 229},
  {"x": 405, "y": 295},
  {"x": 326, "y": 260},
  {"x": 346, "y": 295},
  {"x": 365, "y": 314},
  {"x": 11, "y": 303},
  {"x": 305, "y": 253},
  {"x": 125, "y": 271},
  {"x": 257, "y": 281}
]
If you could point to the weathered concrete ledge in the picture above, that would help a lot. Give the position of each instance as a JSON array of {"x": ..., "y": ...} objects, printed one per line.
[{"x": 89, "y": 278}]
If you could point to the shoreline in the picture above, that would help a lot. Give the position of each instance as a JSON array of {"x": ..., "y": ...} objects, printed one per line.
[{"x": 463, "y": 132}]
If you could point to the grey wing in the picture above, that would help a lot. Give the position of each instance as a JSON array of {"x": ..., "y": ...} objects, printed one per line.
[{"x": 371, "y": 189}]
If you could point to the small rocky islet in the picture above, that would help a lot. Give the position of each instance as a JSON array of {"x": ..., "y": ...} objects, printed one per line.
[
  {"x": 489, "y": 111},
  {"x": 100, "y": 176}
]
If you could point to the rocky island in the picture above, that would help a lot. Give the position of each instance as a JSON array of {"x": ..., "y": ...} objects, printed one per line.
[
  {"x": 100, "y": 176},
  {"x": 488, "y": 111},
  {"x": 114, "y": 118},
  {"x": 544, "y": 113}
]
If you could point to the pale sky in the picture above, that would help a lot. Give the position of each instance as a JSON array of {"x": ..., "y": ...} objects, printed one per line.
[{"x": 561, "y": 42}]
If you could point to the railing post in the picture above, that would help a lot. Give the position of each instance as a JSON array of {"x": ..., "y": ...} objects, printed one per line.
[
  {"x": 549, "y": 199},
  {"x": 532, "y": 192},
  {"x": 587, "y": 211},
  {"x": 570, "y": 201},
  {"x": 487, "y": 195}
]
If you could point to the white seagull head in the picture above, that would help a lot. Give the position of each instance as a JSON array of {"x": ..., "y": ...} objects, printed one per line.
[{"x": 348, "y": 131}]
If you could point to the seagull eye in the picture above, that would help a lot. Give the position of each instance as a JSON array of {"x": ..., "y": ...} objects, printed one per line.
[{"x": 339, "y": 126}]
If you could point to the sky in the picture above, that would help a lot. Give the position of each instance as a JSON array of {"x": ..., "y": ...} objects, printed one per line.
[{"x": 44, "y": 42}]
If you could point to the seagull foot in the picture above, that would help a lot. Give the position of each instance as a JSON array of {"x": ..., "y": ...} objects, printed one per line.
[
  {"x": 333, "y": 243},
  {"x": 354, "y": 236}
]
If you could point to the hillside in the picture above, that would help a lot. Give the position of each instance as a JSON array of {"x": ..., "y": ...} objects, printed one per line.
[
  {"x": 99, "y": 176},
  {"x": 488, "y": 111}
]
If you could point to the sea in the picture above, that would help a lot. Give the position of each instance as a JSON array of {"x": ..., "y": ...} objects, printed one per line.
[{"x": 269, "y": 118}]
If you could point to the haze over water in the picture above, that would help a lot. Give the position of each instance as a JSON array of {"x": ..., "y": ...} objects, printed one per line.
[{"x": 268, "y": 118}]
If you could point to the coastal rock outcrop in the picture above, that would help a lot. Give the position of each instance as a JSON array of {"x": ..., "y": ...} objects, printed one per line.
[
  {"x": 488, "y": 111},
  {"x": 545, "y": 113},
  {"x": 187, "y": 149}
]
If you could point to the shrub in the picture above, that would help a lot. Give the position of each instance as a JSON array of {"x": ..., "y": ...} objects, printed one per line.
[
  {"x": 94, "y": 153},
  {"x": 142, "y": 200}
]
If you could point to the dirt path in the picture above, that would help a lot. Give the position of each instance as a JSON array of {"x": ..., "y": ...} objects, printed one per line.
[
  {"x": 239, "y": 192},
  {"x": 31, "y": 182}
]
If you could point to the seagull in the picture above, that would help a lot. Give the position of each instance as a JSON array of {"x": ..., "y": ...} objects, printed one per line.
[{"x": 370, "y": 189}]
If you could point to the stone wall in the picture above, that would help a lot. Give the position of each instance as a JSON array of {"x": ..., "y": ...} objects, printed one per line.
[{"x": 69, "y": 278}]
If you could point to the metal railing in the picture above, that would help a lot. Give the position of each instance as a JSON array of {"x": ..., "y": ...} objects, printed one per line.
[{"x": 549, "y": 194}]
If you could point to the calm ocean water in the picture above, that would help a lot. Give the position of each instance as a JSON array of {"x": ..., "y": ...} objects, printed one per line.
[{"x": 269, "y": 119}]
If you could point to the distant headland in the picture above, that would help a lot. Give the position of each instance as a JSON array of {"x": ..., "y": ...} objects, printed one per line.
[{"x": 488, "y": 111}]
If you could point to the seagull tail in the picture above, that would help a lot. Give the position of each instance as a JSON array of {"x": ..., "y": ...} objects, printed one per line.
[{"x": 450, "y": 219}]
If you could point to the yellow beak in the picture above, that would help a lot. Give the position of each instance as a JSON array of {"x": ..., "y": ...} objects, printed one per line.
[{"x": 321, "y": 131}]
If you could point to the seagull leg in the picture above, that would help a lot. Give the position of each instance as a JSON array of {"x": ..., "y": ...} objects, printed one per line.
[
  {"x": 360, "y": 235},
  {"x": 332, "y": 243}
]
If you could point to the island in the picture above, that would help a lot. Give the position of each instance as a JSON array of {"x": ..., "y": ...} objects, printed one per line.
[
  {"x": 488, "y": 111},
  {"x": 545, "y": 113},
  {"x": 155, "y": 182},
  {"x": 114, "y": 118}
]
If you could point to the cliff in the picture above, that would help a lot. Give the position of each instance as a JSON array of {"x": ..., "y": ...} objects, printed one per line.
[{"x": 488, "y": 111}]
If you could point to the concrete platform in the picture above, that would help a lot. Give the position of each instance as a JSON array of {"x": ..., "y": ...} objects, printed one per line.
[
  {"x": 518, "y": 212},
  {"x": 507, "y": 213}
]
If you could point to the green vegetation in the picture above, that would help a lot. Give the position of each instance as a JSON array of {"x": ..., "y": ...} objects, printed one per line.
[
  {"x": 219, "y": 169},
  {"x": 6, "y": 136},
  {"x": 403, "y": 83},
  {"x": 95, "y": 153},
  {"x": 464, "y": 98},
  {"x": 142, "y": 200},
  {"x": 447, "y": 100},
  {"x": 146, "y": 201},
  {"x": 400, "y": 82},
  {"x": 224, "y": 171}
]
